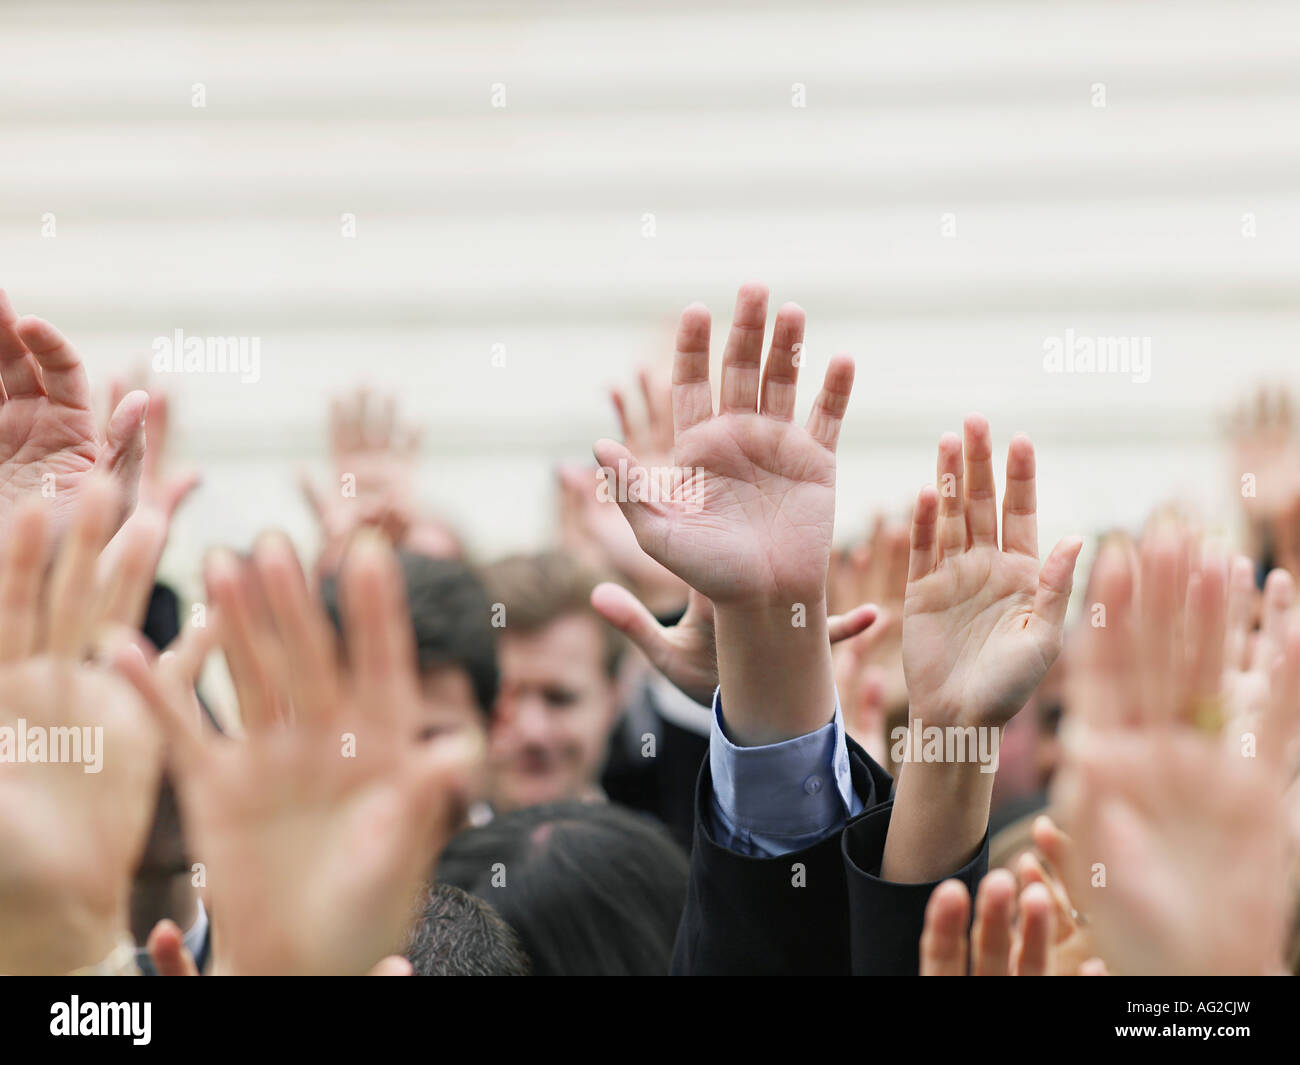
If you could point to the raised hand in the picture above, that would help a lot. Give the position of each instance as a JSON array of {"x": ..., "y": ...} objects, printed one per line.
[
  {"x": 49, "y": 443},
  {"x": 1267, "y": 459},
  {"x": 981, "y": 624},
  {"x": 370, "y": 441},
  {"x": 1248, "y": 657},
  {"x": 73, "y": 823},
  {"x": 319, "y": 829},
  {"x": 1180, "y": 858},
  {"x": 591, "y": 526},
  {"x": 750, "y": 520},
  {"x": 875, "y": 571},
  {"x": 1000, "y": 941},
  {"x": 745, "y": 516},
  {"x": 651, "y": 436},
  {"x": 375, "y": 453}
]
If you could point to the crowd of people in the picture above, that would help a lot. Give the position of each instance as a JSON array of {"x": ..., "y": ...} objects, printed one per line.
[{"x": 697, "y": 734}]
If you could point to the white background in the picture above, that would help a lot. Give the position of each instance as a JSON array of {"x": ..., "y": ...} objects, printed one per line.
[{"x": 523, "y": 225}]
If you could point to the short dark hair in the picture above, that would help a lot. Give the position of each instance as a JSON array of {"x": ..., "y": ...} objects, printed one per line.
[
  {"x": 452, "y": 618},
  {"x": 593, "y": 889},
  {"x": 459, "y": 934},
  {"x": 539, "y": 589}
]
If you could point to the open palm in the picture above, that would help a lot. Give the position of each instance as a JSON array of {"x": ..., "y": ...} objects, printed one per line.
[
  {"x": 74, "y": 820},
  {"x": 1194, "y": 878},
  {"x": 981, "y": 624},
  {"x": 746, "y": 515},
  {"x": 329, "y": 816},
  {"x": 49, "y": 443}
]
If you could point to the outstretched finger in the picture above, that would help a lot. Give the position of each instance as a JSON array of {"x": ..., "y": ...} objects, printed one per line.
[
  {"x": 1243, "y": 603},
  {"x": 123, "y": 455},
  {"x": 246, "y": 641},
  {"x": 658, "y": 396},
  {"x": 692, "y": 395},
  {"x": 1031, "y": 870},
  {"x": 301, "y": 625},
  {"x": 1101, "y": 687},
  {"x": 18, "y": 369},
  {"x": 132, "y": 564},
  {"x": 1036, "y": 927},
  {"x": 991, "y": 935},
  {"x": 981, "y": 488},
  {"x": 620, "y": 412},
  {"x": 1279, "y": 596},
  {"x": 1020, "y": 501},
  {"x": 852, "y": 622},
  {"x": 781, "y": 374},
  {"x": 832, "y": 401},
  {"x": 22, "y": 569},
  {"x": 69, "y": 623},
  {"x": 632, "y": 618},
  {"x": 62, "y": 371},
  {"x": 952, "y": 511},
  {"x": 744, "y": 351},
  {"x": 1055, "y": 582},
  {"x": 648, "y": 519},
  {"x": 925, "y": 535},
  {"x": 1207, "y": 623},
  {"x": 182, "y": 733},
  {"x": 944, "y": 943}
]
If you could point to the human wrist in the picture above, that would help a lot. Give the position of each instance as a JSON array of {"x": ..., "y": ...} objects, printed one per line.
[
  {"x": 774, "y": 668},
  {"x": 940, "y": 818}
]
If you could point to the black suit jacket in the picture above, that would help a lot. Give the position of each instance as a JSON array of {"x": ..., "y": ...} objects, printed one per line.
[
  {"x": 821, "y": 910},
  {"x": 663, "y": 786}
]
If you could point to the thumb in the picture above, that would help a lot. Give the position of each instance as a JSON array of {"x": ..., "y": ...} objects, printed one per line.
[
  {"x": 649, "y": 522},
  {"x": 632, "y": 618},
  {"x": 1052, "y": 842},
  {"x": 850, "y": 623},
  {"x": 1055, "y": 581},
  {"x": 123, "y": 454}
]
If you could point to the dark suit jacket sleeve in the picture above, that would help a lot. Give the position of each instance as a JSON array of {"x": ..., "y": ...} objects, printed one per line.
[
  {"x": 886, "y": 919},
  {"x": 786, "y": 915},
  {"x": 820, "y": 910}
]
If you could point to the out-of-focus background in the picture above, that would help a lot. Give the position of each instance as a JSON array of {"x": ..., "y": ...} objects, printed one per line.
[{"x": 497, "y": 208}]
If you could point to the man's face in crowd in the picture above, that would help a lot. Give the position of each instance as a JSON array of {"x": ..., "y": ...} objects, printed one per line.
[{"x": 554, "y": 714}]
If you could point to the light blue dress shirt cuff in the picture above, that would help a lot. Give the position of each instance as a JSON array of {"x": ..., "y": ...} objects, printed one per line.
[{"x": 783, "y": 797}]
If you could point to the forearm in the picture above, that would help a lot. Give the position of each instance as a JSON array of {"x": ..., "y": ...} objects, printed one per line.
[
  {"x": 775, "y": 676},
  {"x": 941, "y": 813}
]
